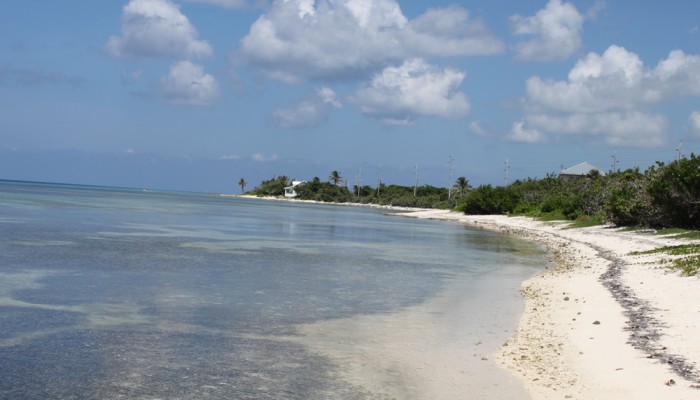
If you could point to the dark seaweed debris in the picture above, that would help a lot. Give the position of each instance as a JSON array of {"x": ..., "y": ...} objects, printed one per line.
[{"x": 645, "y": 330}]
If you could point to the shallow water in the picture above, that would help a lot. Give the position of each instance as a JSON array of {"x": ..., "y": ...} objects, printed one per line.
[{"x": 119, "y": 293}]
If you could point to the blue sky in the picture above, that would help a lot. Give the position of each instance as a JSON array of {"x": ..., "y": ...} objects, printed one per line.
[{"x": 196, "y": 94}]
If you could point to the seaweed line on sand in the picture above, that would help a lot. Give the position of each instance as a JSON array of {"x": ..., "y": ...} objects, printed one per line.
[{"x": 645, "y": 330}]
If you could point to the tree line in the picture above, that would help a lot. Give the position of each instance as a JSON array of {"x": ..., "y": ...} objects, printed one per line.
[
  {"x": 665, "y": 195},
  {"x": 334, "y": 190}
]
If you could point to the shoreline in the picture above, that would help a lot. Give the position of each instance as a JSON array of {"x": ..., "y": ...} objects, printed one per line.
[
  {"x": 601, "y": 323},
  {"x": 300, "y": 201}
]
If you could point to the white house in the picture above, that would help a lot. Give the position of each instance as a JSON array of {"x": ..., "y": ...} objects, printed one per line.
[
  {"x": 289, "y": 190},
  {"x": 579, "y": 170}
]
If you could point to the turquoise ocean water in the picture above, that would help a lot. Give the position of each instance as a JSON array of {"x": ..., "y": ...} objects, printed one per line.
[{"x": 110, "y": 293}]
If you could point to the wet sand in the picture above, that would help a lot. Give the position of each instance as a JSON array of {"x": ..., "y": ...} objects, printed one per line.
[{"x": 441, "y": 349}]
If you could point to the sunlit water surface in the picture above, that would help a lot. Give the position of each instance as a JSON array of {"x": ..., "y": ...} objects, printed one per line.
[{"x": 110, "y": 293}]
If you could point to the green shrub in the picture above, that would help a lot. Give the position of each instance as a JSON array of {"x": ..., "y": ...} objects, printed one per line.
[
  {"x": 675, "y": 190},
  {"x": 490, "y": 200}
]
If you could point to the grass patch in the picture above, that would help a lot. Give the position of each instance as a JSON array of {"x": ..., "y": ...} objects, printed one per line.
[
  {"x": 689, "y": 266},
  {"x": 672, "y": 231},
  {"x": 585, "y": 222},
  {"x": 689, "y": 235},
  {"x": 681, "y": 249},
  {"x": 551, "y": 216},
  {"x": 680, "y": 233}
]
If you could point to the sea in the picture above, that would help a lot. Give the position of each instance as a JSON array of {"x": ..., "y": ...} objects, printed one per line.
[{"x": 118, "y": 293}]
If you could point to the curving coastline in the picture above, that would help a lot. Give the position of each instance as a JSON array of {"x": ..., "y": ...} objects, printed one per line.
[{"x": 601, "y": 323}]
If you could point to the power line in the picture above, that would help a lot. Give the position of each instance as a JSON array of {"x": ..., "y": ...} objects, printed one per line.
[
  {"x": 449, "y": 183},
  {"x": 415, "y": 188}
]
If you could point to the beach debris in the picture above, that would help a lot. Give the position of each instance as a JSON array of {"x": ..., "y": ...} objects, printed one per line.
[
  {"x": 596, "y": 322},
  {"x": 670, "y": 382}
]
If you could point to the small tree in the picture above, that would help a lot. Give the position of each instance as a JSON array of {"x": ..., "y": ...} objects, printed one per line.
[
  {"x": 242, "y": 183},
  {"x": 335, "y": 178},
  {"x": 461, "y": 186}
]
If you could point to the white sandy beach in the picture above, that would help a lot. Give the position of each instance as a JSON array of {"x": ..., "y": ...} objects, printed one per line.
[{"x": 602, "y": 324}]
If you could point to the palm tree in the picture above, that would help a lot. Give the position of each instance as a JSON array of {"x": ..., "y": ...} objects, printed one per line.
[
  {"x": 335, "y": 178},
  {"x": 462, "y": 185},
  {"x": 242, "y": 183}
]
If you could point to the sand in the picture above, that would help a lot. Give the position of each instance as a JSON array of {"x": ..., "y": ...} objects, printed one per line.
[
  {"x": 601, "y": 324},
  {"x": 440, "y": 349}
]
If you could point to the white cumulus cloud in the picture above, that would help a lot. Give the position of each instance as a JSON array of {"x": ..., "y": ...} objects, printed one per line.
[
  {"x": 156, "y": 28},
  {"x": 553, "y": 33},
  {"x": 188, "y": 84},
  {"x": 398, "y": 94},
  {"x": 519, "y": 133},
  {"x": 353, "y": 39},
  {"x": 633, "y": 128},
  {"x": 611, "y": 95}
]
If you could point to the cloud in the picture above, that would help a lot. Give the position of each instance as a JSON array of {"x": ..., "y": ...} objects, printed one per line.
[
  {"x": 156, "y": 28},
  {"x": 611, "y": 95},
  {"x": 519, "y": 133},
  {"x": 596, "y": 83},
  {"x": 617, "y": 79},
  {"x": 693, "y": 126},
  {"x": 353, "y": 39},
  {"x": 188, "y": 84},
  {"x": 632, "y": 128},
  {"x": 260, "y": 157},
  {"x": 308, "y": 113},
  {"x": 449, "y": 32},
  {"x": 554, "y": 33},
  {"x": 398, "y": 94},
  {"x": 476, "y": 128},
  {"x": 598, "y": 7},
  {"x": 221, "y": 3}
]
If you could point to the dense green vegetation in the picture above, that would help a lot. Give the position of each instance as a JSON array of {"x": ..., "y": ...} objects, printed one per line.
[
  {"x": 665, "y": 195},
  {"x": 272, "y": 187},
  {"x": 394, "y": 195}
]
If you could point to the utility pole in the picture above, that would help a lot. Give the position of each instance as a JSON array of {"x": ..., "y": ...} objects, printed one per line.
[
  {"x": 449, "y": 183},
  {"x": 614, "y": 164},
  {"x": 679, "y": 149},
  {"x": 415, "y": 187},
  {"x": 358, "y": 180},
  {"x": 379, "y": 178},
  {"x": 506, "y": 171}
]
